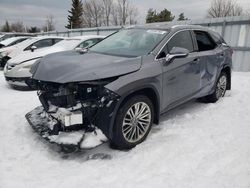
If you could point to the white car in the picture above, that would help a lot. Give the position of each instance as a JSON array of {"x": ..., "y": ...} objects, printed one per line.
[
  {"x": 17, "y": 70},
  {"x": 31, "y": 44},
  {"x": 12, "y": 41}
]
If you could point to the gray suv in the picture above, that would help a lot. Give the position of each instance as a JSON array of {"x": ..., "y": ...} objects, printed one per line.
[{"x": 124, "y": 83}]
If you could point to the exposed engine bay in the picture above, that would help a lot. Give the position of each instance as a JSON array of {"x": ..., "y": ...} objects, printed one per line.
[{"x": 84, "y": 106}]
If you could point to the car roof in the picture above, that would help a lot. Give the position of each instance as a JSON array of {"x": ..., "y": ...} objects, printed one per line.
[
  {"x": 85, "y": 37},
  {"x": 12, "y": 39},
  {"x": 48, "y": 37},
  {"x": 169, "y": 27}
]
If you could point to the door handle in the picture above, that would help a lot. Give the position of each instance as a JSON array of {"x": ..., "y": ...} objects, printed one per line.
[{"x": 196, "y": 59}]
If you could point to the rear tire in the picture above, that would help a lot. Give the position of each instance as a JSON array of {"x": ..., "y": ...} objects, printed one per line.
[
  {"x": 133, "y": 122},
  {"x": 220, "y": 89}
]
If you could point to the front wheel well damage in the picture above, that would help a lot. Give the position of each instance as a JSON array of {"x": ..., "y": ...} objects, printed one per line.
[
  {"x": 151, "y": 94},
  {"x": 227, "y": 70}
]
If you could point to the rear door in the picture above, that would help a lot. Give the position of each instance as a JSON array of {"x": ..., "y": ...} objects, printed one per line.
[
  {"x": 210, "y": 55},
  {"x": 181, "y": 76}
]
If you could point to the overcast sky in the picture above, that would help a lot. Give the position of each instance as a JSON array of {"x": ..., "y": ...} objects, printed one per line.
[{"x": 34, "y": 12}]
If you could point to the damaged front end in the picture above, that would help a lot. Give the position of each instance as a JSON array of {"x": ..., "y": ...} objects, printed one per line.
[{"x": 71, "y": 107}]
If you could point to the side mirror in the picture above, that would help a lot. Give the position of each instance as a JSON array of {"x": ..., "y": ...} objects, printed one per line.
[
  {"x": 81, "y": 50},
  {"x": 32, "y": 48},
  {"x": 177, "y": 52}
]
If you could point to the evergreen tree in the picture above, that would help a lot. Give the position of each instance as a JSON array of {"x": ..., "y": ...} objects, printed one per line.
[
  {"x": 6, "y": 27},
  {"x": 151, "y": 16},
  {"x": 164, "y": 16},
  {"x": 182, "y": 17},
  {"x": 75, "y": 17}
]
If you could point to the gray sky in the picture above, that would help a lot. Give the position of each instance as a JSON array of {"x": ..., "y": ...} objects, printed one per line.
[{"x": 34, "y": 12}]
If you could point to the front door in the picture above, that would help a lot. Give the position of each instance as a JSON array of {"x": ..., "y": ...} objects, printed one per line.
[{"x": 181, "y": 76}]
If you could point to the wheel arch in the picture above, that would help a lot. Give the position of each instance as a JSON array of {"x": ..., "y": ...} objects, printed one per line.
[
  {"x": 226, "y": 69},
  {"x": 148, "y": 91}
]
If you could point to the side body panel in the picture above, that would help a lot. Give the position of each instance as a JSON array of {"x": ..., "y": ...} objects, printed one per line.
[{"x": 181, "y": 79}]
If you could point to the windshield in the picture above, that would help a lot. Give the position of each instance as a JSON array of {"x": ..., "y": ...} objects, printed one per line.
[{"x": 130, "y": 42}]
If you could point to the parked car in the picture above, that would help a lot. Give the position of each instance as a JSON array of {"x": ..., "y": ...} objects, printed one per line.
[
  {"x": 31, "y": 45},
  {"x": 12, "y": 41},
  {"x": 5, "y": 36},
  {"x": 124, "y": 83},
  {"x": 17, "y": 70}
]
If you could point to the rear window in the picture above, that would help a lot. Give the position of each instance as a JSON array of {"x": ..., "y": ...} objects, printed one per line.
[{"x": 217, "y": 38}]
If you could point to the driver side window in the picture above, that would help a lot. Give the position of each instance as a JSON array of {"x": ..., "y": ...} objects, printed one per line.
[
  {"x": 181, "y": 39},
  {"x": 41, "y": 44}
]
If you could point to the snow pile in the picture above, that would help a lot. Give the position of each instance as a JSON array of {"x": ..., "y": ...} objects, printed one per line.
[
  {"x": 93, "y": 139},
  {"x": 67, "y": 137},
  {"x": 195, "y": 145}
]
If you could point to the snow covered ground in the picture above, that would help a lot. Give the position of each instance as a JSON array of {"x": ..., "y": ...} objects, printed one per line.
[{"x": 197, "y": 145}]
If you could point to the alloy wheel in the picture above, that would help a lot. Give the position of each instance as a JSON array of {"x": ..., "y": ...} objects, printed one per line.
[
  {"x": 136, "y": 122},
  {"x": 221, "y": 87}
]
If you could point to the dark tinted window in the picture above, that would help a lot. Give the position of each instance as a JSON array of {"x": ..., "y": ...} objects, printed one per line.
[
  {"x": 204, "y": 41},
  {"x": 56, "y": 40},
  {"x": 182, "y": 39},
  {"x": 42, "y": 43}
]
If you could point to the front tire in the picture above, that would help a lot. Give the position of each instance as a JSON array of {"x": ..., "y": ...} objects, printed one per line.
[{"x": 133, "y": 122}]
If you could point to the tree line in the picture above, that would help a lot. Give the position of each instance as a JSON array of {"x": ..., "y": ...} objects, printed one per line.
[
  {"x": 18, "y": 26},
  {"x": 95, "y": 13}
]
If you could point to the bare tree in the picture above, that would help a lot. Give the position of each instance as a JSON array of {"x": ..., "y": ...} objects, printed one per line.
[
  {"x": 133, "y": 13},
  {"x": 96, "y": 11},
  {"x": 49, "y": 23},
  {"x": 17, "y": 27},
  {"x": 87, "y": 14},
  {"x": 224, "y": 8},
  {"x": 115, "y": 14},
  {"x": 92, "y": 10},
  {"x": 107, "y": 7},
  {"x": 106, "y": 12},
  {"x": 123, "y": 7}
]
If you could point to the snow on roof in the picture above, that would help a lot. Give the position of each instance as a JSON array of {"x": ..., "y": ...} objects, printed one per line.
[{"x": 10, "y": 40}]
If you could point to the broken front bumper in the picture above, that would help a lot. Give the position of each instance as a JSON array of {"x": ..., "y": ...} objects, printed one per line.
[{"x": 70, "y": 141}]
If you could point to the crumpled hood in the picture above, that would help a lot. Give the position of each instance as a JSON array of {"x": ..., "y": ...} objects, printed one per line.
[{"x": 72, "y": 66}]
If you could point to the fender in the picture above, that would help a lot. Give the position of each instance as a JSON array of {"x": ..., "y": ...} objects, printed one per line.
[{"x": 132, "y": 92}]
